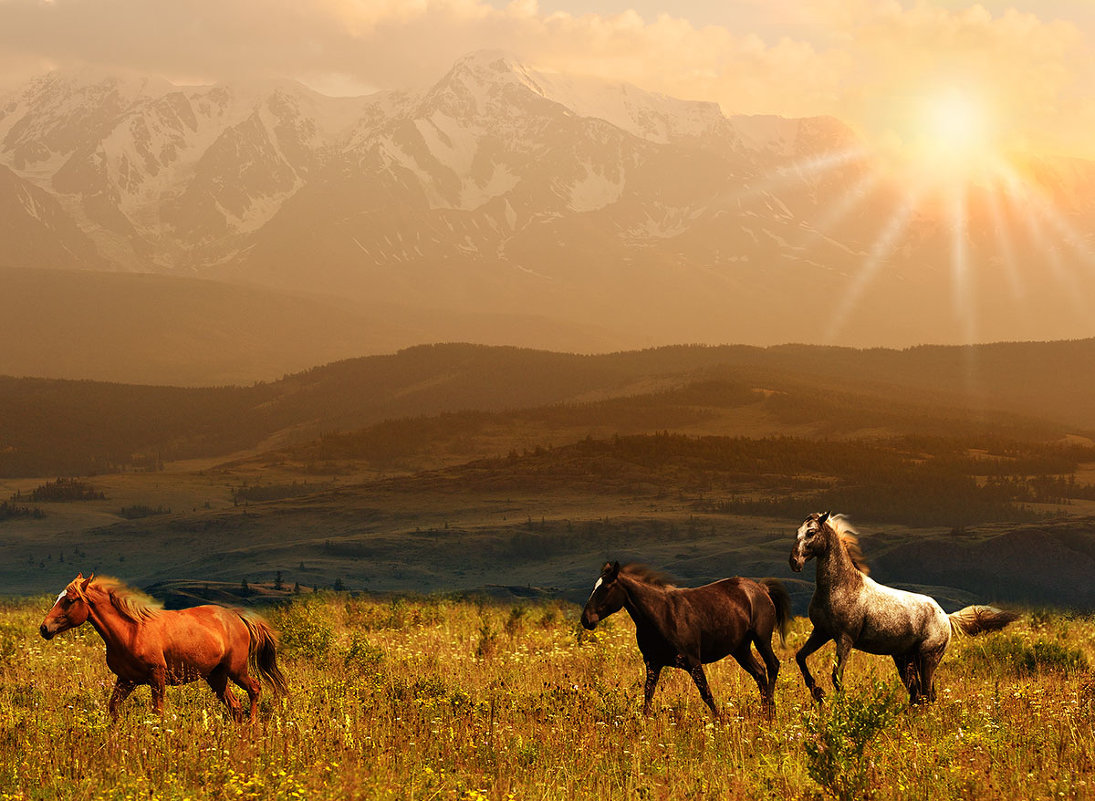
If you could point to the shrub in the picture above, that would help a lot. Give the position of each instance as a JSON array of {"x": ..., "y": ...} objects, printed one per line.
[
  {"x": 305, "y": 629},
  {"x": 362, "y": 656},
  {"x": 838, "y": 735}
]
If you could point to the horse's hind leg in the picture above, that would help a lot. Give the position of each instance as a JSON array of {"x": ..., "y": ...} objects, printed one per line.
[
  {"x": 745, "y": 657},
  {"x": 909, "y": 670},
  {"x": 771, "y": 663},
  {"x": 250, "y": 685},
  {"x": 927, "y": 663},
  {"x": 218, "y": 680},
  {"x": 700, "y": 678}
]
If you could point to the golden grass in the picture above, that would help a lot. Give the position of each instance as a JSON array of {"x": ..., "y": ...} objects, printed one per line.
[{"x": 448, "y": 699}]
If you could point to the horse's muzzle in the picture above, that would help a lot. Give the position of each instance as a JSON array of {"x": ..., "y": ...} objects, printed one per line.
[
  {"x": 46, "y": 633},
  {"x": 589, "y": 622},
  {"x": 797, "y": 562}
]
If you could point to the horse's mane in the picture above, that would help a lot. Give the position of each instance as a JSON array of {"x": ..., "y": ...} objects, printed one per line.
[
  {"x": 850, "y": 538},
  {"x": 647, "y": 575},
  {"x": 130, "y": 603}
]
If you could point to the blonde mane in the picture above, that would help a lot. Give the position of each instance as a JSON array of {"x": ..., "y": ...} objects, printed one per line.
[
  {"x": 130, "y": 603},
  {"x": 849, "y": 537}
]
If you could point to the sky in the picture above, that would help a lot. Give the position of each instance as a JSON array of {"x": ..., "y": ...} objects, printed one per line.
[{"x": 1016, "y": 74}]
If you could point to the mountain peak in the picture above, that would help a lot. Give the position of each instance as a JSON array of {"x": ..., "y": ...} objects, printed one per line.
[{"x": 648, "y": 115}]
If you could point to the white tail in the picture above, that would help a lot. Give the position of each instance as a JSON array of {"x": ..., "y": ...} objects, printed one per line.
[{"x": 974, "y": 620}]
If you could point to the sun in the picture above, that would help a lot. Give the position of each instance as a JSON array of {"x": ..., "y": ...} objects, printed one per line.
[
  {"x": 954, "y": 136},
  {"x": 955, "y": 125}
]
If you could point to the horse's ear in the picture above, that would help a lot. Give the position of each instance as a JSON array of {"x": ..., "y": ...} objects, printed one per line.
[
  {"x": 821, "y": 520},
  {"x": 615, "y": 571},
  {"x": 83, "y": 586}
]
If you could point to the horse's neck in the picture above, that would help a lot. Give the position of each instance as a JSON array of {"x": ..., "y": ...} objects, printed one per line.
[
  {"x": 643, "y": 600},
  {"x": 835, "y": 569},
  {"x": 115, "y": 629}
]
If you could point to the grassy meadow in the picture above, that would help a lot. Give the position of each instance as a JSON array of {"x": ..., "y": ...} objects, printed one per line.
[{"x": 441, "y": 698}]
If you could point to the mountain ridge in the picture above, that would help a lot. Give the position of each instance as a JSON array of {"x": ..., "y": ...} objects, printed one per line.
[{"x": 501, "y": 189}]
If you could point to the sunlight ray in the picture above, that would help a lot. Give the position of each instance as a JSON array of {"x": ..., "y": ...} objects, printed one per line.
[
  {"x": 1005, "y": 247},
  {"x": 1026, "y": 198},
  {"x": 963, "y": 303},
  {"x": 1047, "y": 245},
  {"x": 1034, "y": 197},
  {"x": 884, "y": 244},
  {"x": 848, "y": 201},
  {"x": 787, "y": 174}
]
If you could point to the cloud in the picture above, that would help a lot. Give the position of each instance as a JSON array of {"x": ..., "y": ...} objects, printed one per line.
[{"x": 856, "y": 59}]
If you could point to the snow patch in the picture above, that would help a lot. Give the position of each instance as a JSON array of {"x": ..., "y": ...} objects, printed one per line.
[{"x": 594, "y": 191}]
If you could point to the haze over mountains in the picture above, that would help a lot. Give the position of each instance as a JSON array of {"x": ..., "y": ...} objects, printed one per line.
[{"x": 499, "y": 205}]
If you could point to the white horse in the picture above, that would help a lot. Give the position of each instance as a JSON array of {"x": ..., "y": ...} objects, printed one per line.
[{"x": 855, "y": 611}]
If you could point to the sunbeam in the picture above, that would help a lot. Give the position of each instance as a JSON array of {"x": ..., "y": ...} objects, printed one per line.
[
  {"x": 1005, "y": 247},
  {"x": 1024, "y": 198},
  {"x": 797, "y": 171},
  {"x": 962, "y": 298},
  {"x": 849, "y": 200},
  {"x": 883, "y": 245}
]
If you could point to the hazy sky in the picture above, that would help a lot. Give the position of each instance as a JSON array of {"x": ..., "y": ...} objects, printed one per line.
[{"x": 1018, "y": 73}]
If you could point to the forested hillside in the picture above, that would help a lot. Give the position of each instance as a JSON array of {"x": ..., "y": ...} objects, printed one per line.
[{"x": 1028, "y": 391}]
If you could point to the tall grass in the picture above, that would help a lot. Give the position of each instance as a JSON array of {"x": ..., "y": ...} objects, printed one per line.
[{"x": 457, "y": 699}]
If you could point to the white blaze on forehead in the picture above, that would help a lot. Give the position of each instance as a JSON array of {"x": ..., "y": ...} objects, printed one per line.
[
  {"x": 597, "y": 586},
  {"x": 61, "y": 595}
]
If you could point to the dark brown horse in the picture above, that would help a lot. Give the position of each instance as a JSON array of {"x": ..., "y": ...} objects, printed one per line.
[
  {"x": 146, "y": 644},
  {"x": 687, "y": 628},
  {"x": 855, "y": 611}
]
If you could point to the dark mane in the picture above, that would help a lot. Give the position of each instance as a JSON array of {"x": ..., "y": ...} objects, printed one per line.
[
  {"x": 130, "y": 603},
  {"x": 647, "y": 575},
  {"x": 850, "y": 538}
]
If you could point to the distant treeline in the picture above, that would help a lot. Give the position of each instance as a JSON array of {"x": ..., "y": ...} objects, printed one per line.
[
  {"x": 10, "y": 510},
  {"x": 274, "y": 492},
  {"x": 63, "y": 489},
  {"x": 915, "y": 480}
]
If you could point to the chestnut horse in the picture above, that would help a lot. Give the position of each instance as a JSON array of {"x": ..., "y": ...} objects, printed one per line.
[
  {"x": 146, "y": 644},
  {"x": 855, "y": 611},
  {"x": 687, "y": 628}
]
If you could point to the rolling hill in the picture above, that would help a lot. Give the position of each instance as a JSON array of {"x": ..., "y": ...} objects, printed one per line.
[{"x": 460, "y": 467}]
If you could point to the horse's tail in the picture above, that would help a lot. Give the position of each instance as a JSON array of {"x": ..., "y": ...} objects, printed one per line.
[
  {"x": 974, "y": 620},
  {"x": 781, "y": 599},
  {"x": 262, "y": 653}
]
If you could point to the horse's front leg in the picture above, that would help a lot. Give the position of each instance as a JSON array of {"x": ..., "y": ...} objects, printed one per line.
[
  {"x": 813, "y": 642},
  {"x": 653, "y": 671},
  {"x": 158, "y": 682},
  {"x": 122, "y": 689},
  {"x": 843, "y": 648}
]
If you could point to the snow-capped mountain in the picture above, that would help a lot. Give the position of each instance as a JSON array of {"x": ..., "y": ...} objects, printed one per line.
[{"x": 503, "y": 188}]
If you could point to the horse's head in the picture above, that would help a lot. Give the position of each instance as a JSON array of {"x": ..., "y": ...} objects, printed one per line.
[
  {"x": 607, "y": 596},
  {"x": 70, "y": 610},
  {"x": 812, "y": 540}
]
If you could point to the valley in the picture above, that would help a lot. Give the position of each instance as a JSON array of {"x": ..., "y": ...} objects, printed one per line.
[{"x": 703, "y": 472}]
